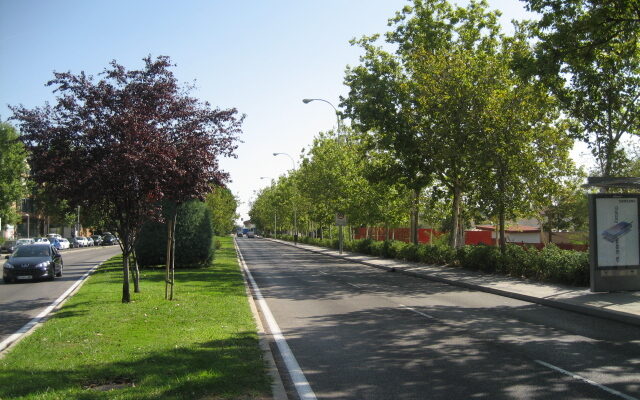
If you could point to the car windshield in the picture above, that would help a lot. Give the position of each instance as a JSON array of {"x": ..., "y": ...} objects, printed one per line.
[
  {"x": 32, "y": 251},
  {"x": 23, "y": 241}
]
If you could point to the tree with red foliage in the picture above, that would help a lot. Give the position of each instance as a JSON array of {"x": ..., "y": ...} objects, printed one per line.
[{"x": 141, "y": 132}]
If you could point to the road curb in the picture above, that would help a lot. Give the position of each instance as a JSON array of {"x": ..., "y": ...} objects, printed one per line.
[{"x": 612, "y": 315}]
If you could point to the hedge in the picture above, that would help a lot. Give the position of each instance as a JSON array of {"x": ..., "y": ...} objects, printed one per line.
[
  {"x": 550, "y": 264},
  {"x": 194, "y": 238}
]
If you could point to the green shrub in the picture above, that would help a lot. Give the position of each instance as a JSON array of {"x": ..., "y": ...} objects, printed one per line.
[
  {"x": 194, "y": 237},
  {"x": 551, "y": 264},
  {"x": 480, "y": 257}
]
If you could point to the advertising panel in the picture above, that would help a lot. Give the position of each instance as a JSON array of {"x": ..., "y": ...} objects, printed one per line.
[{"x": 617, "y": 232}]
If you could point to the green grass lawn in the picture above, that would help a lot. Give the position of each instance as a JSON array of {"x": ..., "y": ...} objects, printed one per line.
[{"x": 203, "y": 344}]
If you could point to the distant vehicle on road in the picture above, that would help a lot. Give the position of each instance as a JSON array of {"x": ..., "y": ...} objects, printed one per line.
[
  {"x": 23, "y": 241},
  {"x": 82, "y": 241},
  {"x": 64, "y": 243},
  {"x": 251, "y": 234},
  {"x": 8, "y": 247},
  {"x": 109, "y": 240},
  {"x": 55, "y": 242},
  {"x": 97, "y": 240},
  {"x": 42, "y": 240},
  {"x": 31, "y": 262},
  {"x": 90, "y": 242}
]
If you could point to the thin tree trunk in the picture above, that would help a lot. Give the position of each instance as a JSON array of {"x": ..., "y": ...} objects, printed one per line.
[
  {"x": 168, "y": 260},
  {"x": 453, "y": 239},
  {"x": 173, "y": 253},
  {"x": 136, "y": 272},
  {"x": 415, "y": 193},
  {"x": 126, "y": 296}
]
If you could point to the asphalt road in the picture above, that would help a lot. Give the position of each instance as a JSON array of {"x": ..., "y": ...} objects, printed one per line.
[
  {"x": 22, "y": 301},
  {"x": 362, "y": 333}
]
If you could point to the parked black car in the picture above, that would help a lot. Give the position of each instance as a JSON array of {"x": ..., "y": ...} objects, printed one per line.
[
  {"x": 32, "y": 261},
  {"x": 108, "y": 240},
  {"x": 97, "y": 240},
  {"x": 8, "y": 247}
]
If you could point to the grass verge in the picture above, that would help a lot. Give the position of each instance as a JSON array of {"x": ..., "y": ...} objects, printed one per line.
[{"x": 202, "y": 345}]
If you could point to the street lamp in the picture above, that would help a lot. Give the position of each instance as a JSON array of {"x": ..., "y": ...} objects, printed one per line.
[
  {"x": 307, "y": 101},
  {"x": 295, "y": 212}
]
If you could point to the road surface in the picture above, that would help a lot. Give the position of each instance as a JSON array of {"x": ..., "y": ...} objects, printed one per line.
[
  {"x": 20, "y": 302},
  {"x": 362, "y": 333}
]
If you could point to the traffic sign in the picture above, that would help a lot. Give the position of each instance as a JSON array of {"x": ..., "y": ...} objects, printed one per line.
[{"x": 341, "y": 219}]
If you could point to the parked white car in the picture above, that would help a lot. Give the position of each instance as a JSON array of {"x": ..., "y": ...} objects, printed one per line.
[
  {"x": 82, "y": 241},
  {"x": 42, "y": 240},
  {"x": 23, "y": 241},
  {"x": 64, "y": 243}
]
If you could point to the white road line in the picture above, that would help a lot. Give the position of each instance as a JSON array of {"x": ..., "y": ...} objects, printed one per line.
[
  {"x": 297, "y": 376},
  {"x": 416, "y": 311},
  {"x": 35, "y": 321},
  {"x": 589, "y": 381},
  {"x": 351, "y": 284}
]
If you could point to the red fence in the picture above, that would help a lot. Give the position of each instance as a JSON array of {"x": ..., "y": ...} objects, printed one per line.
[
  {"x": 470, "y": 237},
  {"x": 401, "y": 234}
]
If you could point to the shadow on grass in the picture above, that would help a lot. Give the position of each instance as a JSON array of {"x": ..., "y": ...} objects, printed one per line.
[{"x": 229, "y": 368}]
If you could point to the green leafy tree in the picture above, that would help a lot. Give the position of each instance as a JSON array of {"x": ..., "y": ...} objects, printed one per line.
[
  {"x": 452, "y": 82},
  {"x": 567, "y": 208},
  {"x": 589, "y": 57},
  {"x": 13, "y": 174},
  {"x": 382, "y": 106},
  {"x": 527, "y": 148},
  {"x": 223, "y": 205}
]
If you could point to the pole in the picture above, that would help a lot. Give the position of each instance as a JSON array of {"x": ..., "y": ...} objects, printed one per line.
[
  {"x": 341, "y": 239},
  {"x": 28, "y": 235}
]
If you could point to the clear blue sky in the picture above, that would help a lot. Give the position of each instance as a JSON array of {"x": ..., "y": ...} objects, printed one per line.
[{"x": 262, "y": 57}]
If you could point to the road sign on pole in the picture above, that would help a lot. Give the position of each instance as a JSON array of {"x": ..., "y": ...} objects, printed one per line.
[{"x": 341, "y": 219}]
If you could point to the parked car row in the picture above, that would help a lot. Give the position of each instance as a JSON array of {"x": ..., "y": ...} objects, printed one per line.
[{"x": 61, "y": 243}]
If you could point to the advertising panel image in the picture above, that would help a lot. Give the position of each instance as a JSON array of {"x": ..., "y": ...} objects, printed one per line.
[{"x": 617, "y": 232}]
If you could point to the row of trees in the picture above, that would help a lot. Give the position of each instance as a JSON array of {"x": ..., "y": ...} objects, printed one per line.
[
  {"x": 146, "y": 137},
  {"x": 462, "y": 116}
]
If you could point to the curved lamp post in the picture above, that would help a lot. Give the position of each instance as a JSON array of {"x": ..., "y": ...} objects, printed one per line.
[
  {"x": 295, "y": 212},
  {"x": 307, "y": 101}
]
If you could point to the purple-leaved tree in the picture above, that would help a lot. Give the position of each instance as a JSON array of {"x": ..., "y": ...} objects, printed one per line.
[{"x": 143, "y": 133}]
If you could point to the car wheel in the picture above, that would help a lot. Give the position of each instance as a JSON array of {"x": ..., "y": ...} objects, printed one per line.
[{"x": 59, "y": 274}]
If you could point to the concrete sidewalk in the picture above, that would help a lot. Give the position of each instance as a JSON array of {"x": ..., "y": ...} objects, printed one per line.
[{"x": 618, "y": 306}]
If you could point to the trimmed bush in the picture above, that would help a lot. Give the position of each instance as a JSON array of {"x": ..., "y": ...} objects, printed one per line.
[
  {"x": 194, "y": 238},
  {"x": 550, "y": 264}
]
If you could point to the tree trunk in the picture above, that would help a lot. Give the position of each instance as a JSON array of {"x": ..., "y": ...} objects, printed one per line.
[
  {"x": 501, "y": 223},
  {"x": 173, "y": 253},
  {"x": 167, "y": 275},
  {"x": 126, "y": 296},
  {"x": 136, "y": 272},
  {"x": 415, "y": 195},
  {"x": 455, "y": 216}
]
